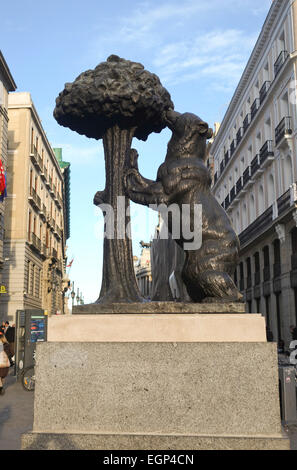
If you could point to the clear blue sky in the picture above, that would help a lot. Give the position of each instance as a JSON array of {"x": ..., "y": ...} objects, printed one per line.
[{"x": 198, "y": 48}]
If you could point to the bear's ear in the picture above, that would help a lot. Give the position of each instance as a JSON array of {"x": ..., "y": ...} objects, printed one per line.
[{"x": 204, "y": 130}]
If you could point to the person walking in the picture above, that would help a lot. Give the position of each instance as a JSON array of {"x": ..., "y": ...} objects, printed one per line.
[
  {"x": 5, "y": 355},
  {"x": 10, "y": 335}
]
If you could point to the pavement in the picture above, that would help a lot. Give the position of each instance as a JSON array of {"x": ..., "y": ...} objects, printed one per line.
[{"x": 16, "y": 416}]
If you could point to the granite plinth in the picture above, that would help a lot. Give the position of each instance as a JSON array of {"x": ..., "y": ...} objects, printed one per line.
[
  {"x": 159, "y": 307},
  {"x": 134, "y": 395}
]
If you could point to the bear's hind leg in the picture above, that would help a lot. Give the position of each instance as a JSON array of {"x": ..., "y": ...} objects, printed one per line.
[{"x": 219, "y": 287}]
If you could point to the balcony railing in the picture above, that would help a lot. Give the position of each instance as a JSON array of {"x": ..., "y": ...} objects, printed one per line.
[
  {"x": 280, "y": 62},
  {"x": 226, "y": 157},
  {"x": 36, "y": 242},
  {"x": 239, "y": 135},
  {"x": 254, "y": 108},
  {"x": 239, "y": 185},
  {"x": 232, "y": 194},
  {"x": 232, "y": 147},
  {"x": 246, "y": 122},
  {"x": 264, "y": 91},
  {"x": 255, "y": 165},
  {"x": 246, "y": 175},
  {"x": 35, "y": 198},
  {"x": 284, "y": 128},
  {"x": 257, "y": 227},
  {"x": 266, "y": 151},
  {"x": 227, "y": 202},
  {"x": 284, "y": 202}
]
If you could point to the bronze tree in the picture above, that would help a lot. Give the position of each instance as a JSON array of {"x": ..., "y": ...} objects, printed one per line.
[{"x": 116, "y": 101}]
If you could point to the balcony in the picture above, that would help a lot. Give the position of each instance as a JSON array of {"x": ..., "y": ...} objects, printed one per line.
[
  {"x": 246, "y": 177},
  {"x": 280, "y": 62},
  {"x": 283, "y": 130},
  {"x": 226, "y": 157},
  {"x": 246, "y": 122},
  {"x": 238, "y": 185},
  {"x": 257, "y": 227},
  {"x": 35, "y": 242},
  {"x": 43, "y": 212},
  {"x": 58, "y": 201},
  {"x": 34, "y": 199},
  {"x": 40, "y": 162},
  {"x": 44, "y": 173},
  {"x": 34, "y": 155},
  {"x": 232, "y": 147},
  {"x": 239, "y": 135},
  {"x": 255, "y": 166},
  {"x": 254, "y": 108},
  {"x": 284, "y": 202},
  {"x": 227, "y": 202},
  {"x": 264, "y": 91},
  {"x": 266, "y": 153}
]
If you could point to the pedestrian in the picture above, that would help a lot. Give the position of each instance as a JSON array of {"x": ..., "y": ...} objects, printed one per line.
[
  {"x": 10, "y": 335},
  {"x": 269, "y": 334},
  {"x": 5, "y": 355},
  {"x": 2, "y": 327},
  {"x": 293, "y": 330}
]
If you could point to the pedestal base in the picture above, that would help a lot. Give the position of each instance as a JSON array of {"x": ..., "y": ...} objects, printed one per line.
[
  {"x": 156, "y": 395},
  {"x": 44, "y": 441}
]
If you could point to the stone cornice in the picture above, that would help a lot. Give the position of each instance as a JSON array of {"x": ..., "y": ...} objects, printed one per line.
[
  {"x": 277, "y": 7},
  {"x": 7, "y": 75}
]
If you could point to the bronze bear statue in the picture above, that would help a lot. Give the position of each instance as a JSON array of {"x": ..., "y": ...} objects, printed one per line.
[{"x": 183, "y": 179}]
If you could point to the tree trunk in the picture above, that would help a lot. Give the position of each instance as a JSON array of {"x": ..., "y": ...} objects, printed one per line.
[{"x": 118, "y": 278}]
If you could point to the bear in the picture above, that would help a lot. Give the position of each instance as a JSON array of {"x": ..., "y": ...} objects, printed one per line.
[{"x": 183, "y": 178}]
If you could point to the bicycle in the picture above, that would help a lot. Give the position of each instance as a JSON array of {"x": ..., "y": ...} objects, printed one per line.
[{"x": 28, "y": 379}]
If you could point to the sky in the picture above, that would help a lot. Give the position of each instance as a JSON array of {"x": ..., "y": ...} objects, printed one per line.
[{"x": 198, "y": 48}]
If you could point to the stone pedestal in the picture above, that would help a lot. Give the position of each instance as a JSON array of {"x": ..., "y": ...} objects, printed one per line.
[{"x": 184, "y": 393}]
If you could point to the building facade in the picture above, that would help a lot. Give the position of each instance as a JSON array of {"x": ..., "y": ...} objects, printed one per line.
[
  {"x": 142, "y": 267},
  {"x": 255, "y": 171},
  {"x": 34, "y": 243},
  {"x": 7, "y": 84}
]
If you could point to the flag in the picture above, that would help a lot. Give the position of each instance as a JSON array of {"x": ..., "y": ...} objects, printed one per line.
[
  {"x": 3, "y": 177},
  {"x": 70, "y": 264}
]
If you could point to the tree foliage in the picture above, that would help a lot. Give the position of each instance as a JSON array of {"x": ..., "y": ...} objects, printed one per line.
[{"x": 117, "y": 92}]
